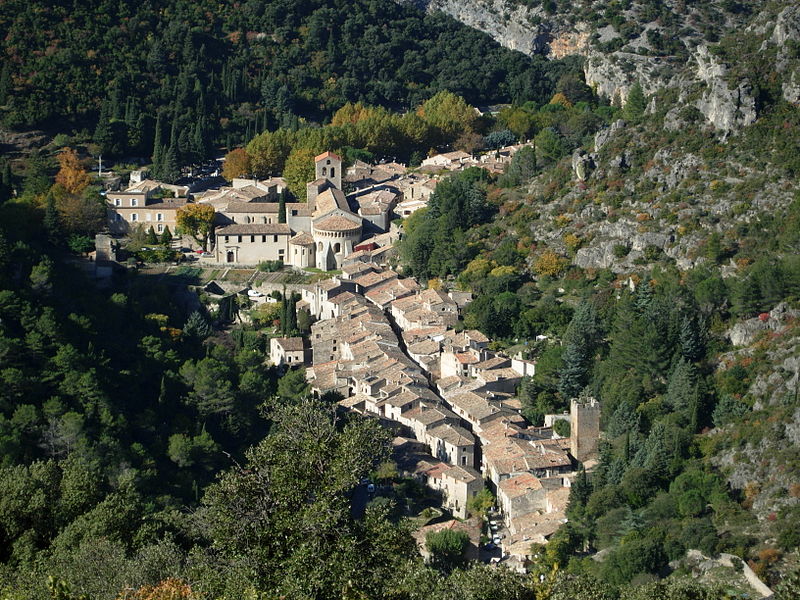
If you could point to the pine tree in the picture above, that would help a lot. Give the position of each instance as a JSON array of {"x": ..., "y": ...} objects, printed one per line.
[
  {"x": 197, "y": 326},
  {"x": 635, "y": 104},
  {"x": 692, "y": 339},
  {"x": 282, "y": 208}
]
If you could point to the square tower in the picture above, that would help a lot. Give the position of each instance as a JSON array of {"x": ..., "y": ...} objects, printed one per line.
[
  {"x": 584, "y": 420},
  {"x": 329, "y": 166}
]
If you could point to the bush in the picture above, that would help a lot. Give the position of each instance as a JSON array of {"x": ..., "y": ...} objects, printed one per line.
[{"x": 270, "y": 266}]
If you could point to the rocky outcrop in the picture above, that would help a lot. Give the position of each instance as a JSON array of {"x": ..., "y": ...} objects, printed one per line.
[
  {"x": 602, "y": 136},
  {"x": 582, "y": 164},
  {"x": 726, "y": 109},
  {"x": 744, "y": 333},
  {"x": 612, "y": 75},
  {"x": 528, "y": 30}
]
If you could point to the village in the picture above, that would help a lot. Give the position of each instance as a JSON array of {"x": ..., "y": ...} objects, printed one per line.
[{"x": 390, "y": 350}]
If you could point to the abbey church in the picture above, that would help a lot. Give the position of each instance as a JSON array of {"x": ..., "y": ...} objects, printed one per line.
[{"x": 319, "y": 233}]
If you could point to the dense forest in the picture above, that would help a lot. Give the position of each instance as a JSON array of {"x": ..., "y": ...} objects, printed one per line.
[
  {"x": 146, "y": 450},
  {"x": 146, "y": 78}
]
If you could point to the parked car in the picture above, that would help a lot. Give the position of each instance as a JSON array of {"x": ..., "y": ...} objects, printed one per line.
[
  {"x": 254, "y": 294},
  {"x": 371, "y": 488},
  {"x": 497, "y": 540}
]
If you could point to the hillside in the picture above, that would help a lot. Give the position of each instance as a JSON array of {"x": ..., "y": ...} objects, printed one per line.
[{"x": 642, "y": 246}]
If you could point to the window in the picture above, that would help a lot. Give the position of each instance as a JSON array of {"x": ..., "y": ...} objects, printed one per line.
[
  {"x": 263, "y": 239},
  {"x": 134, "y": 217},
  {"x": 239, "y": 239},
  {"x": 226, "y": 239},
  {"x": 280, "y": 252},
  {"x": 325, "y": 171},
  {"x": 294, "y": 212},
  {"x": 117, "y": 202},
  {"x": 134, "y": 202},
  {"x": 264, "y": 220},
  {"x": 148, "y": 217},
  {"x": 464, "y": 461},
  {"x": 333, "y": 172},
  {"x": 274, "y": 238},
  {"x": 159, "y": 216},
  {"x": 160, "y": 228}
]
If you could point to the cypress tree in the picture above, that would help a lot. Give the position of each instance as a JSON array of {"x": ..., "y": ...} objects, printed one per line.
[
  {"x": 5, "y": 82},
  {"x": 102, "y": 133},
  {"x": 52, "y": 222},
  {"x": 158, "y": 150},
  {"x": 152, "y": 239},
  {"x": 5, "y": 182},
  {"x": 171, "y": 171},
  {"x": 291, "y": 315},
  {"x": 166, "y": 236},
  {"x": 282, "y": 208}
]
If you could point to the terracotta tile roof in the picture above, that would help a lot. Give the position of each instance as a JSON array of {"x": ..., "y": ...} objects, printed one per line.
[
  {"x": 252, "y": 207},
  {"x": 326, "y": 155},
  {"x": 255, "y": 229},
  {"x": 336, "y": 223},
  {"x": 463, "y": 474},
  {"x": 292, "y": 344},
  {"x": 302, "y": 239},
  {"x": 520, "y": 485},
  {"x": 453, "y": 434}
]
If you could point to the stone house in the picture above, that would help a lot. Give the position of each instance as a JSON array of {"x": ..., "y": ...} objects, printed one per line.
[
  {"x": 250, "y": 244},
  {"x": 288, "y": 351},
  {"x": 127, "y": 210}
]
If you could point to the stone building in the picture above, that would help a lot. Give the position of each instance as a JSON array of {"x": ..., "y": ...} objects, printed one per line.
[{"x": 584, "y": 428}]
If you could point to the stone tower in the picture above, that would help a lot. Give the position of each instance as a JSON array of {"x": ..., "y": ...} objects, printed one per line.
[
  {"x": 329, "y": 166},
  {"x": 584, "y": 420}
]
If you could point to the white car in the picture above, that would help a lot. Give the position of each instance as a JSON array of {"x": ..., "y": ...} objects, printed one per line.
[{"x": 254, "y": 294}]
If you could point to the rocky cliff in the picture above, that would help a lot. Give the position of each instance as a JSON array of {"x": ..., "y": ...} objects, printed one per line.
[{"x": 671, "y": 48}]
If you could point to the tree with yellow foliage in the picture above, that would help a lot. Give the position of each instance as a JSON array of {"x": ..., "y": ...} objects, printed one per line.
[
  {"x": 197, "y": 220},
  {"x": 237, "y": 163},
  {"x": 168, "y": 589},
  {"x": 352, "y": 113},
  {"x": 561, "y": 99},
  {"x": 71, "y": 176},
  {"x": 449, "y": 115},
  {"x": 299, "y": 170},
  {"x": 549, "y": 264}
]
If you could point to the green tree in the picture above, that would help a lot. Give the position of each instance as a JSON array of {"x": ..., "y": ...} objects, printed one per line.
[
  {"x": 635, "y": 104},
  {"x": 282, "y": 207},
  {"x": 447, "y": 548},
  {"x": 299, "y": 170},
  {"x": 151, "y": 238},
  {"x": 166, "y": 237}
]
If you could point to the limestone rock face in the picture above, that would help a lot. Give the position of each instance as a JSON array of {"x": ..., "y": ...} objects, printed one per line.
[
  {"x": 725, "y": 108},
  {"x": 515, "y": 27},
  {"x": 582, "y": 164},
  {"x": 744, "y": 333},
  {"x": 613, "y": 75},
  {"x": 602, "y": 136}
]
